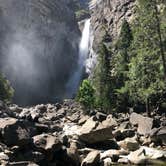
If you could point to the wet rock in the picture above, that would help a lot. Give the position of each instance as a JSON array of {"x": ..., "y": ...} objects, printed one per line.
[
  {"x": 145, "y": 124},
  {"x": 92, "y": 159}
]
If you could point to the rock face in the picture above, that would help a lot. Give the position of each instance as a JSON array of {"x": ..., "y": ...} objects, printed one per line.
[
  {"x": 110, "y": 14},
  {"x": 60, "y": 134},
  {"x": 39, "y": 41}
]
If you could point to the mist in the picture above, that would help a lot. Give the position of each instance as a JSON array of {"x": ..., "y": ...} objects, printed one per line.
[{"x": 39, "y": 49}]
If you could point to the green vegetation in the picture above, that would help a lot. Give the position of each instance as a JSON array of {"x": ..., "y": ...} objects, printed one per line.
[
  {"x": 147, "y": 70},
  {"x": 86, "y": 94},
  {"x": 6, "y": 91},
  {"x": 102, "y": 80},
  {"x": 132, "y": 71}
]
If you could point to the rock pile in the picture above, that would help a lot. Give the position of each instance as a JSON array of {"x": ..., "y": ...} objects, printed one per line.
[{"x": 60, "y": 135}]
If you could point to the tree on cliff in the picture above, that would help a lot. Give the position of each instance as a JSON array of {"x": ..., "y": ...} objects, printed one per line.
[{"x": 6, "y": 91}]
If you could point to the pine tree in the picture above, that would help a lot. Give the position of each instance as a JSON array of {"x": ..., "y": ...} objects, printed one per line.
[
  {"x": 120, "y": 62},
  {"x": 102, "y": 80},
  {"x": 146, "y": 69}
]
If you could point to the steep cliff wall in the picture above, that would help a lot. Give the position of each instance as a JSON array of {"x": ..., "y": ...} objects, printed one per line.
[
  {"x": 38, "y": 49},
  {"x": 107, "y": 16}
]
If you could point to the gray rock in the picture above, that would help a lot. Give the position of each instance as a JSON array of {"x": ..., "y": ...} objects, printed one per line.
[
  {"x": 14, "y": 132},
  {"x": 145, "y": 124},
  {"x": 145, "y": 155},
  {"x": 129, "y": 144},
  {"x": 47, "y": 142},
  {"x": 92, "y": 159},
  {"x": 93, "y": 132},
  {"x": 158, "y": 135}
]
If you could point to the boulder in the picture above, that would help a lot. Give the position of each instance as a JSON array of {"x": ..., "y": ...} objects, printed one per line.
[
  {"x": 109, "y": 122},
  {"x": 145, "y": 155},
  {"x": 72, "y": 153},
  {"x": 158, "y": 135},
  {"x": 112, "y": 154},
  {"x": 93, "y": 132},
  {"x": 92, "y": 159},
  {"x": 15, "y": 132},
  {"x": 47, "y": 142},
  {"x": 129, "y": 144},
  {"x": 145, "y": 124}
]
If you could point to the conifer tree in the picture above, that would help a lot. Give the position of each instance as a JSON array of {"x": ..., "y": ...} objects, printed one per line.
[
  {"x": 121, "y": 61},
  {"x": 102, "y": 79},
  {"x": 146, "y": 69}
]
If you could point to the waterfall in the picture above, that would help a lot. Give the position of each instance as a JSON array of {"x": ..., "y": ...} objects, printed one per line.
[
  {"x": 73, "y": 84},
  {"x": 92, "y": 56}
]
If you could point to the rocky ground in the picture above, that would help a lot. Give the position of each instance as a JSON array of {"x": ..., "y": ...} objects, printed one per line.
[{"x": 61, "y": 135}]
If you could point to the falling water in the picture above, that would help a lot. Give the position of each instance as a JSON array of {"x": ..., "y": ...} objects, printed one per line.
[{"x": 74, "y": 81}]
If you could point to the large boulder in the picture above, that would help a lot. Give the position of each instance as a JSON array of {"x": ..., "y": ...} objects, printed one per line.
[
  {"x": 93, "y": 132},
  {"x": 145, "y": 124},
  {"x": 15, "y": 132}
]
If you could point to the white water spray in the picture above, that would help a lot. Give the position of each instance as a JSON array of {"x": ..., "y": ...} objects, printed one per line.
[{"x": 74, "y": 81}]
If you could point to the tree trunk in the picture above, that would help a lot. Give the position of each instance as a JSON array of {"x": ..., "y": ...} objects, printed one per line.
[{"x": 148, "y": 108}]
